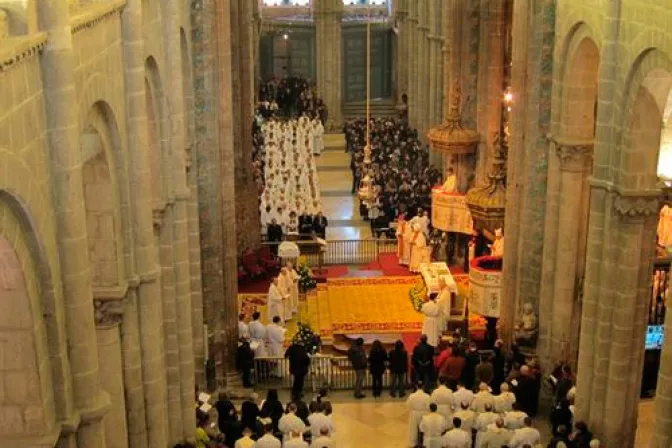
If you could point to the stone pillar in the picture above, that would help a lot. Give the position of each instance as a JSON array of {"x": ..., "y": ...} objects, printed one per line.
[
  {"x": 180, "y": 232},
  {"x": 226, "y": 330},
  {"x": 58, "y": 62},
  {"x": 559, "y": 299},
  {"x": 412, "y": 63},
  {"x": 329, "y": 41},
  {"x": 147, "y": 311},
  {"x": 401, "y": 16},
  {"x": 490, "y": 84},
  {"x": 532, "y": 79},
  {"x": 108, "y": 316},
  {"x": 132, "y": 362},
  {"x": 621, "y": 246},
  {"x": 423, "y": 74}
]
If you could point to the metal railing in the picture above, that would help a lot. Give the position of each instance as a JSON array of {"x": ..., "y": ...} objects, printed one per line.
[
  {"x": 332, "y": 372},
  {"x": 345, "y": 251}
]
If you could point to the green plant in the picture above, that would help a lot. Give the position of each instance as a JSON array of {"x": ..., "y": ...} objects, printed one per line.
[
  {"x": 306, "y": 336},
  {"x": 418, "y": 295},
  {"x": 306, "y": 280}
]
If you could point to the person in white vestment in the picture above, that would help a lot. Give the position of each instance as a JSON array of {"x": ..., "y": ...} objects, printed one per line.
[
  {"x": 483, "y": 399},
  {"x": 467, "y": 416},
  {"x": 290, "y": 423},
  {"x": 400, "y": 233},
  {"x": 275, "y": 299},
  {"x": 276, "y": 338},
  {"x": 444, "y": 399},
  {"x": 286, "y": 285},
  {"x": 268, "y": 440},
  {"x": 295, "y": 441},
  {"x": 526, "y": 435},
  {"x": 497, "y": 247},
  {"x": 504, "y": 401},
  {"x": 432, "y": 327},
  {"x": 432, "y": 427},
  {"x": 418, "y": 404},
  {"x": 294, "y": 293},
  {"x": 483, "y": 420},
  {"x": 319, "y": 422},
  {"x": 423, "y": 222},
  {"x": 243, "y": 328},
  {"x": 318, "y": 137},
  {"x": 463, "y": 395},
  {"x": 496, "y": 435},
  {"x": 418, "y": 248},
  {"x": 323, "y": 441},
  {"x": 257, "y": 335},
  {"x": 444, "y": 302},
  {"x": 457, "y": 437},
  {"x": 515, "y": 418},
  {"x": 245, "y": 441}
]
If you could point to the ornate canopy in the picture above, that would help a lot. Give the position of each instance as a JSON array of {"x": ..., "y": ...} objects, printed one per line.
[
  {"x": 451, "y": 137},
  {"x": 487, "y": 203}
]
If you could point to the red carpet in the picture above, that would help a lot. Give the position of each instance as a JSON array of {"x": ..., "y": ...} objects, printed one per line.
[
  {"x": 389, "y": 264},
  {"x": 261, "y": 286},
  {"x": 410, "y": 340}
]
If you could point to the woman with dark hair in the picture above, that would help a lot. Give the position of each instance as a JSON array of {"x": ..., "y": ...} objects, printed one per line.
[
  {"x": 377, "y": 360},
  {"x": 581, "y": 437},
  {"x": 398, "y": 359},
  {"x": 273, "y": 407}
]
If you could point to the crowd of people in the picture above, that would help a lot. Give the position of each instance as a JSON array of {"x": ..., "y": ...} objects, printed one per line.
[
  {"x": 266, "y": 424},
  {"x": 285, "y": 161},
  {"x": 400, "y": 177},
  {"x": 290, "y": 97}
]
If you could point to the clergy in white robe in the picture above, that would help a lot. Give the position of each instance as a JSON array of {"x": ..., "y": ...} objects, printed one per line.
[
  {"x": 257, "y": 336},
  {"x": 274, "y": 301},
  {"x": 276, "y": 338},
  {"x": 457, "y": 437},
  {"x": 423, "y": 222},
  {"x": 463, "y": 395},
  {"x": 444, "y": 399},
  {"x": 433, "y": 321},
  {"x": 515, "y": 418},
  {"x": 318, "y": 137},
  {"x": 497, "y": 247},
  {"x": 432, "y": 427},
  {"x": 444, "y": 302},
  {"x": 418, "y": 249},
  {"x": 525, "y": 435},
  {"x": 496, "y": 435},
  {"x": 268, "y": 440},
  {"x": 483, "y": 420},
  {"x": 504, "y": 401},
  {"x": 450, "y": 185},
  {"x": 467, "y": 416},
  {"x": 290, "y": 423},
  {"x": 401, "y": 247},
  {"x": 295, "y": 442},
  {"x": 319, "y": 422},
  {"x": 418, "y": 405},
  {"x": 483, "y": 399},
  {"x": 322, "y": 442},
  {"x": 294, "y": 290},
  {"x": 285, "y": 286}
]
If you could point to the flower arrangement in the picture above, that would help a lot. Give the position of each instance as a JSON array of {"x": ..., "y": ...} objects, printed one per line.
[
  {"x": 418, "y": 295},
  {"x": 306, "y": 336},
  {"x": 306, "y": 280}
]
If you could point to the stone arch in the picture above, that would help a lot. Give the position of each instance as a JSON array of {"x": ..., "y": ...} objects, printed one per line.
[
  {"x": 35, "y": 389},
  {"x": 13, "y": 20},
  {"x": 104, "y": 174},
  {"x": 647, "y": 96},
  {"x": 157, "y": 127},
  {"x": 579, "y": 102}
]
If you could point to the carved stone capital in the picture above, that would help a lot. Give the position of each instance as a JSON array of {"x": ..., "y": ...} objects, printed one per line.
[
  {"x": 636, "y": 206},
  {"x": 574, "y": 155},
  {"x": 108, "y": 313}
]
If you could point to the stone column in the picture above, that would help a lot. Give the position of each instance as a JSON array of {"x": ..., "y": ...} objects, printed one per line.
[
  {"x": 58, "y": 62},
  {"x": 147, "y": 310},
  {"x": 412, "y": 61},
  {"x": 329, "y": 42},
  {"x": 401, "y": 16},
  {"x": 108, "y": 316},
  {"x": 226, "y": 330},
  {"x": 490, "y": 84},
  {"x": 180, "y": 232},
  {"x": 559, "y": 321},
  {"x": 132, "y": 363},
  {"x": 621, "y": 246}
]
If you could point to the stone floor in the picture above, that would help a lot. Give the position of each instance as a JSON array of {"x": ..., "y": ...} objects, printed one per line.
[{"x": 340, "y": 207}]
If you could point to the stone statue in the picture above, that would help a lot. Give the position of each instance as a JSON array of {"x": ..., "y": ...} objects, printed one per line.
[{"x": 527, "y": 328}]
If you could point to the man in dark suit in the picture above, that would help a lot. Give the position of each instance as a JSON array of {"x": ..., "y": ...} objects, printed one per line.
[
  {"x": 320, "y": 224},
  {"x": 299, "y": 361},
  {"x": 423, "y": 363},
  {"x": 305, "y": 225},
  {"x": 274, "y": 234}
]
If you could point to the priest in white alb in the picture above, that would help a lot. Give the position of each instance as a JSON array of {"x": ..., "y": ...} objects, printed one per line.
[
  {"x": 418, "y": 249},
  {"x": 402, "y": 253},
  {"x": 285, "y": 285},
  {"x": 294, "y": 292},
  {"x": 274, "y": 301},
  {"x": 418, "y": 405},
  {"x": 432, "y": 427},
  {"x": 444, "y": 302},
  {"x": 497, "y": 247},
  {"x": 450, "y": 185},
  {"x": 432, "y": 327}
]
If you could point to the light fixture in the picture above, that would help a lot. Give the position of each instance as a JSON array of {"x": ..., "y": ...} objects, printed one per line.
[{"x": 285, "y": 36}]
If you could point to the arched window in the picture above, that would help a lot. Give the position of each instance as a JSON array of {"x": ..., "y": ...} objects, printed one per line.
[{"x": 286, "y": 2}]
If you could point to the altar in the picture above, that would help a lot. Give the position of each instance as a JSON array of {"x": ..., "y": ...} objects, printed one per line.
[{"x": 433, "y": 272}]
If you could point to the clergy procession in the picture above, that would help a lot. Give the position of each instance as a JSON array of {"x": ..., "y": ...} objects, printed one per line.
[{"x": 291, "y": 186}]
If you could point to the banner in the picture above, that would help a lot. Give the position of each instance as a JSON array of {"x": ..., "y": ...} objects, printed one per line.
[{"x": 450, "y": 212}]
